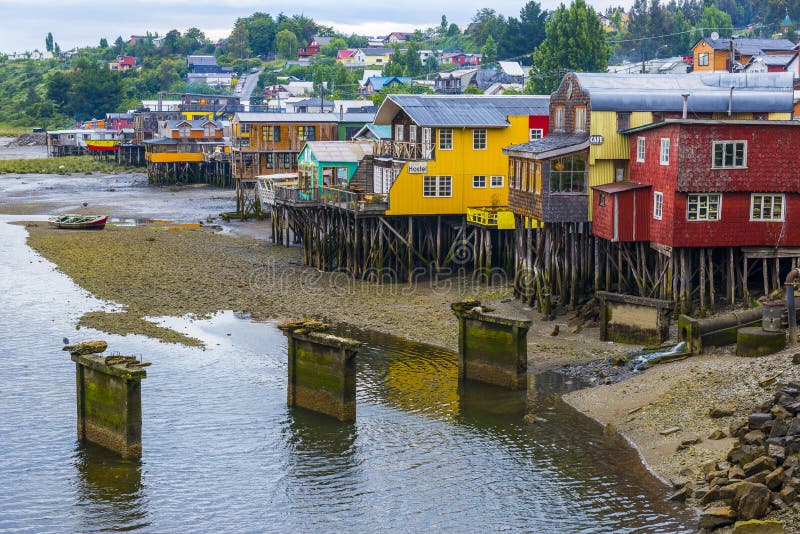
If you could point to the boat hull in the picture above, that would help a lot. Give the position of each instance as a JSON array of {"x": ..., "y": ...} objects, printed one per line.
[
  {"x": 103, "y": 145},
  {"x": 96, "y": 223}
]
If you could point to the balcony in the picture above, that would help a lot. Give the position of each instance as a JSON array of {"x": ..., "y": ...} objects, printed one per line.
[
  {"x": 403, "y": 150},
  {"x": 499, "y": 218},
  {"x": 356, "y": 202}
]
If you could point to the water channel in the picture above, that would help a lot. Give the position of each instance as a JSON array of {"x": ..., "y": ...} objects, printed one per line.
[{"x": 223, "y": 452}]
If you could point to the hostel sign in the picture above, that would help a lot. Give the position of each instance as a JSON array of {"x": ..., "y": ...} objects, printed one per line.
[{"x": 417, "y": 167}]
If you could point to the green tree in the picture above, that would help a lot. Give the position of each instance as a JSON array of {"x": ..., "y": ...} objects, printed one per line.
[
  {"x": 261, "y": 33},
  {"x": 286, "y": 44},
  {"x": 473, "y": 90},
  {"x": 103, "y": 42},
  {"x": 575, "y": 41},
  {"x": 237, "y": 45},
  {"x": 714, "y": 20},
  {"x": 119, "y": 45},
  {"x": 331, "y": 49},
  {"x": 489, "y": 53},
  {"x": 48, "y": 42},
  {"x": 487, "y": 22},
  {"x": 399, "y": 89},
  {"x": 442, "y": 30},
  {"x": 523, "y": 34},
  {"x": 453, "y": 30},
  {"x": 167, "y": 74}
]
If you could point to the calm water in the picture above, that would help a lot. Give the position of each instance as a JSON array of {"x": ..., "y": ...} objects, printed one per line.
[{"x": 223, "y": 452}]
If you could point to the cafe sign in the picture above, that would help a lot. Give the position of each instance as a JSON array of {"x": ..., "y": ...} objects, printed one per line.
[{"x": 596, "y": 140}]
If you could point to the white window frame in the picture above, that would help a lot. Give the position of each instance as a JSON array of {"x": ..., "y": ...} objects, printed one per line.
[
  {"x": 479, "y": 182},
  {"x": 535, "y": 133},
  {"x": 448, "y": 134},
  {"x": 696, "y": 198},
  {"x": 437, "y": 186},
  {"x": 398, "y": 132},
  {"x": 184, "y": 131},
  {"x": 703, "y": 56},
  {"x": 209, "y": 130},
  {"x": 412, "y": 133},
  {"x": 658, "y": 205},
  {"x": 733, "y": 165},
  {"x": 580, "y": 119},
  {"x": 477, "y": 142},
  {"x": 641, "y": 149},
  {"x": 759, "y": 198},
  {"x": 663, "y": 158},
  {"x": 244, "y": 127},
  {"x": 559, "y": 118},
  {"x": 497, "y": 181}
]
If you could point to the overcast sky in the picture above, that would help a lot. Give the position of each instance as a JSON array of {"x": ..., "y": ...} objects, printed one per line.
[{"x": 25, "y": 23}]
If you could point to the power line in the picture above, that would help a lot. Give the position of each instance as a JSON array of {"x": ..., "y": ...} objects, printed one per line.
[{"x": 694, "y": 30}]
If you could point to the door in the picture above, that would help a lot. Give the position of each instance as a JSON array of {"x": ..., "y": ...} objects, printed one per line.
[{"x": 427, "y": 143}]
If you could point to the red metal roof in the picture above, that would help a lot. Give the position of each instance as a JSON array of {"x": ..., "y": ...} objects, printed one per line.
[{"x": 618, "y": 187}]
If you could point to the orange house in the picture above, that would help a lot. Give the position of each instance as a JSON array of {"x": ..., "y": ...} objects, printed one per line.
[
  {"x": 184, "y": 141},
  {"x": 715, "y": 54}
]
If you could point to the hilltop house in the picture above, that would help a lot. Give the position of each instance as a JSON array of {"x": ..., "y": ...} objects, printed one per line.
[
  {"x": 122, "y": 63},
  {"x": 715, "y": 54},
  {"x": 376, "y": 83},
  {"x": 314, "y": 46}
]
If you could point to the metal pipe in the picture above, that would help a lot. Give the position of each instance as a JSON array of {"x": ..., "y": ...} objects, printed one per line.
[
  {"x": 730, "y": 102},
  {"x": 685, "y": 105},
  {"x": 788, "y": 286}
]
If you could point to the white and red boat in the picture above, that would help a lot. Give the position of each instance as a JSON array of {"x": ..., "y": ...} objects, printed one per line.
[{"x": 79, "y": 222}]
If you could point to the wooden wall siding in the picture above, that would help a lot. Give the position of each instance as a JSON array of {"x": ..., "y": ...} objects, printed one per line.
[
  {"x": 773, "y": 162},
  {"x": 546, "y": 207},
  {"x": 362, "y": 180},
  {"x": 288, "y": 136},
  {"x": 579, "y": 98}
]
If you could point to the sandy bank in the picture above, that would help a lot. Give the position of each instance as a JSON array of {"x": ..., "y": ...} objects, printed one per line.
[{"x": 153, "y": 271}]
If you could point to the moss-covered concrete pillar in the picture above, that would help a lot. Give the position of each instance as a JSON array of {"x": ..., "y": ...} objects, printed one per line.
[
  {"x": 491, "y": 349},
  {"x": 322, "y": 370},
  {"x": 109, "y": 400}
]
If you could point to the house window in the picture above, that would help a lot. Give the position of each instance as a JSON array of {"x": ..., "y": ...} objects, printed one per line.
[
  {"x": 640, "y": 149},
  {"x": 271, "y": 133},
  {"x": 559, "y": 111},
  {"x": 703, "y": 207},
  {"x": 185, "y": 131},
  {"x": 398, "y": 132},
  {"x": 209, "y": 130},
  {"x": 602, "y": 199},
  {"x": 270, "y": 160},
  {"x": 244, "y": 142},
  {"x": 658, "y": 204},
  {"x": 536, "y": 133},
  {"x": 478, "y": 182},
  {"x": 766, "y": 207},
  {"x": 286, "y": 160},
  {"x": 244, "y": 128},
  {"x": 568, "y": 174},
  {"x": 412, "y": 133},
  {"x": 623, "y": 120},
  {"x": 437, "y": 186},
  {"x": 497, "y": 181},
  {"x": 445, "y": 139},
  {"x": 580, "y": 119},
  {"x": 479, "y": 139},
  {"x": 664, "y": 160},
  {"x": 702, "y": 59},
  {"x": 306, "y": 133},
  {"x": 730, "y": 154}
]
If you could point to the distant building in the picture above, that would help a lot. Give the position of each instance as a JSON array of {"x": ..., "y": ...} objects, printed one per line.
[
  {"x": 376, "y": 83},
  {"x": 397, "y": 37},
  {"x": 314, "y": 46},
  {"x": 123, "y": 63},
  {"x": 710, "y": 55}
]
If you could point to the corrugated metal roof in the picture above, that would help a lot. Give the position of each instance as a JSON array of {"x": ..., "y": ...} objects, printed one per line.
[
  {"x": 303, "y": 117},
  {"x": 618, "y": 187},
  {"x": 340, "y": 151},
  {"x": 461, "y": 110},
  {"x": 753, "y": 46},
  {"x": 711, "y": 122},
  {"x": 708, "y": 92},
  {"x": 512, "y": 68},
  {"x": 778, "y": 60}
]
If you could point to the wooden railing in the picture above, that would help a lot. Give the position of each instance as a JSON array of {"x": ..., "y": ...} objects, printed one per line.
[
  {"x": 403, "y": 149},
  {"x": 352, "y": 200},
  {"x": 500, "y": 218},
  {"x": 295, "y": 195}
]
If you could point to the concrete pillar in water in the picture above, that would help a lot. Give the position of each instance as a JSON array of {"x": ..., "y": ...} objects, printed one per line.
[
  {"x": 322, "y": 370},
  {"x": 109, "y": 399},
  {"x": 491, "y": 349}
]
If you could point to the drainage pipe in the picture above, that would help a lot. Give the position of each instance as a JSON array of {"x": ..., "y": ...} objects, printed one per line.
[{"x": 788, "y": 286}]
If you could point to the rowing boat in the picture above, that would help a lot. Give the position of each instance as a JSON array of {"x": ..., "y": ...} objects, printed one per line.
[{"x": 79, "y": 222}]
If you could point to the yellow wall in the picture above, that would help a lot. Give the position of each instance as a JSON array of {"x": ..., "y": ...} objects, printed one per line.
[
  {"x": 780, "y": 116},
  {"x": 462, "y": 163},
  {"x": 717, "y": 59},
  {"x": 377, "y": 60},
  {"x": 174, "y": 157}
]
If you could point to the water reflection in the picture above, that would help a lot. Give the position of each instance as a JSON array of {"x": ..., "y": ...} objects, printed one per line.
[{"x": 110, "y": 493}]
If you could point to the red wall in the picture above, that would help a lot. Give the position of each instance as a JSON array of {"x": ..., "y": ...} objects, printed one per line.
[
  {"x": 540, "y": 121},
  {"x": 772, "y": 167},
  {"x": 603, "y": 216}
]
